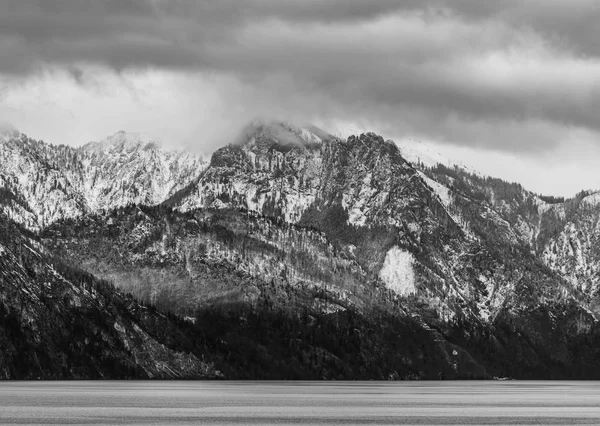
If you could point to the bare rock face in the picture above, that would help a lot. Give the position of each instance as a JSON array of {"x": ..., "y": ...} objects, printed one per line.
[
  {"x": 41, "y": 183},
  {"x": 561, "y": 234},
  {"x": 272, "y": 168},
  {"x": 464, "y": 252}
]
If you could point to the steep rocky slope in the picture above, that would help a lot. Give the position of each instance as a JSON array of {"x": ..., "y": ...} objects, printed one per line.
[
  {"x": 59, "y": 322},
  {"x": 40, "y": 183},
  {"x": 570, "y": 243},
  {"x": 563, "y": 234},
  {"x": 404, "y": 228},
  {"x": 355, "y": 228},
  {"x": 282, "y": 291},
  {"x": 273, "y": 168}
]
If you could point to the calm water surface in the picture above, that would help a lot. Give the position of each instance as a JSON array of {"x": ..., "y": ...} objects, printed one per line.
[{"x": 289, "y": 403}]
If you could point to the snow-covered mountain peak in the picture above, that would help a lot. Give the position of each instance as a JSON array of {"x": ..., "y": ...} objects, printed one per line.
[
  {"x": 425, "y": 154},
  {"x": 281, "y": 136},
  {"x": 47, "y": 182},
  {"x": 123, "y": 142},
  {"x": 418, "y": 152}
]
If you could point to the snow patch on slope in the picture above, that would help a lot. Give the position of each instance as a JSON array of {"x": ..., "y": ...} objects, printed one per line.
[
  {"x": 426, "y": 154},
  {"x": 592, "y": 199},
  {"x": 440, "y": 190},
  {"x": 417, "y": 152},
  {"x": 309, "y": 136},
  {"x": 397, "y": 272},
  {"x": 446, "y": 198},
  {"x": 356, "y": 216}
]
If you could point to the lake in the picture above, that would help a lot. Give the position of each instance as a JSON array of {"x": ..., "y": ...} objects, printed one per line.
[{"x": 291, "y": 403}]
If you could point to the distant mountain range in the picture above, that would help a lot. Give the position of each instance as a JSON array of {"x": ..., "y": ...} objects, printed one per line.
[
  {"x": 47, "y": 182},
  {"x": 292, "y": 253}
]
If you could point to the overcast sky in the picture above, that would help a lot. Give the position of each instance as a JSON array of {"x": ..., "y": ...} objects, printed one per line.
[{"x": 510, "y": 87}]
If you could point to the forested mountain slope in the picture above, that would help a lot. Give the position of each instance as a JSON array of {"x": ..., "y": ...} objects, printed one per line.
[{"x": 59, "y": 322}]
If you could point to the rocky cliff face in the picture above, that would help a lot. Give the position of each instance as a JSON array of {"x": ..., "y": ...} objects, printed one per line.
[
  {"x": 562, "y": 234},
  {"x": 273, "y": 168},
  {"x": 416, "y": 231},
  {"x": 40, "y": 183}
]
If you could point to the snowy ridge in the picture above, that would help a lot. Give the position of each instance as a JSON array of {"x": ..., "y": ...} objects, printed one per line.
[
  {"x": 50, "y": 182},
  {"x": 121, "y": 141},
  {"x": 418, "y": 153}
]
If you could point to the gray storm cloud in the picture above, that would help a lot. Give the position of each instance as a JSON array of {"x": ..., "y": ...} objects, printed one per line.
[{"x": 504, "y": 74}]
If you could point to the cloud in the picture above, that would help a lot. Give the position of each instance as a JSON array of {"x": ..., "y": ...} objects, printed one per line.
[
  {"x": 195, "y": 110},
  {"x": 507, "y": 75}
]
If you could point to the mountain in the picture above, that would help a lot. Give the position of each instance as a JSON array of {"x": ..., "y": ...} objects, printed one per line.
[
  {"x": 273, "y": 166},
  {"x": 563, "y": 234},
  {"x": 322, "y": 257},
  {"x": 60, "y": 322},
  {"x": 570, "y": 243},
  {"x": 40, "y": 183},
  {"x": 360, "y": 229},
  {"x": 273, "y": 300}
]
